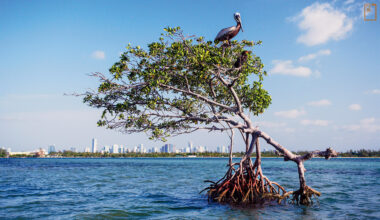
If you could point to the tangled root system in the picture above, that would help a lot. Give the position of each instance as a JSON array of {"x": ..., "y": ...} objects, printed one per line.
[
  {"x": 304, "y": 196},
  {"x": 246, "y": 185}
]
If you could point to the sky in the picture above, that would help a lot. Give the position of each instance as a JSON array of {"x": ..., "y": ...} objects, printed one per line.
[{"x": 321, "y": 56}]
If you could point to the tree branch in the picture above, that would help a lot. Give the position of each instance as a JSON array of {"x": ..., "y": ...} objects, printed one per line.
[
  {"x": 288, "y": 155},
  {"x": 198, "y": 96}
]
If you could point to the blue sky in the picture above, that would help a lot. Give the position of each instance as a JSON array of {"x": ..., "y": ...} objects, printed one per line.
[{"x": 322, "y": 59}]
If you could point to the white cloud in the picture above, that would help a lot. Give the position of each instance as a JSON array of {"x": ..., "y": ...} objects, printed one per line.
[
  {"x": 314, "y": 55},
  {"x": 285, "y": 67},
  {"x": 366, "y": 125},
  {"x": 321, "y": 23},
  {"x": 355, "y": 107},
  {"x": 323, "y": 102},
  {"x": 367, "y": 121},
  {"x": 294, "y": 113},
  {"x": 349, "y": 2},
  {"x": 99, "y": 55},
  {"x": 375, "y": 91},
  {"x": 315, "y": 122}
]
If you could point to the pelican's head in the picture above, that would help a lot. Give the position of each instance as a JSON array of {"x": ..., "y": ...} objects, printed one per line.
[{"x": 238, "y": 19}]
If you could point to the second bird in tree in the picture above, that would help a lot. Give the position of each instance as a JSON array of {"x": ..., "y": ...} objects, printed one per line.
[
  {"x": 230, "y": 32},
  {"x": 242, "y": 59}
]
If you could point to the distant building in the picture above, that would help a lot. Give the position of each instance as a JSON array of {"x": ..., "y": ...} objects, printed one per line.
[
  {"x": 224, "y": 149},
  {"x": 190, "y": 146},
  {"x": 121, "y": 149},
  {"x": 168, "y": 148},
  {"x": 40, "y": 152},
  {"x": 186, "y": 150},
  {"x": 73, "y": 149},
  {"x": 194, "y": 150},
  {"x": 200, "y": 149},
  {"x": 141, "y": 149},
  {"x": 51, "y": 149},
  {"x": 172, "y": 148},
  {"x": 106, "y": 149},
  {"x": 115, "y": 149},
  {"x": 87, "y": 150},
  {"x": 94, "y": 145},
  {"x": 154, "y": 150},
  {"x": 23, "y": 153}
]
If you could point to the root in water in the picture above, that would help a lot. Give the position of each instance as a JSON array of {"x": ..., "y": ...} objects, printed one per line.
[
  {"x": 304, "y": 196},
  {"x": 245, "y": 186}
]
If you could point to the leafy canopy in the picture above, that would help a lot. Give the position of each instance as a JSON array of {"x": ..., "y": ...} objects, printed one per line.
[{"x": 179, "y": 84}]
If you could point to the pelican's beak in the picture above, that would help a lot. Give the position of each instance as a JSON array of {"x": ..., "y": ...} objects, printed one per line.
[{"x": 241, "y": 25}]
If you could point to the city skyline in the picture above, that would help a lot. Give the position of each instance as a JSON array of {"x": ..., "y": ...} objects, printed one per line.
[
  {"x": 324, "y": 82},
  {"x": 140, "y": 148}
]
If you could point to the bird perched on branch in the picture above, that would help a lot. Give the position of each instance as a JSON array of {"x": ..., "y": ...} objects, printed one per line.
[
  {"x": 242, "y": 59},
  {"x": 230, "y": 32}
]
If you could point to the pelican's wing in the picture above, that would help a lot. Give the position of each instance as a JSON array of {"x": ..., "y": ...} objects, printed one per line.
[{"x": 223, "y": 32}]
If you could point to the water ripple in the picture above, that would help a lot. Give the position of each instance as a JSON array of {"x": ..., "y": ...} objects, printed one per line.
[{"x": 167, "y": 188}]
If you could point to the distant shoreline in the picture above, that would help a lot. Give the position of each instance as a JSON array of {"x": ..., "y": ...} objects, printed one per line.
[
  {"x": 160, "y": 157},
  {"x": 265, "y": 154}
]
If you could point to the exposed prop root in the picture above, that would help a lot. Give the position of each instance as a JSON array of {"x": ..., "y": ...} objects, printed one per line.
[
  {"x": 304, "y": 196},
  {"x": 245, "y": 186}
]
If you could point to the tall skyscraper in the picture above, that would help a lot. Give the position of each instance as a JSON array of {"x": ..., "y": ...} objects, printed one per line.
[
  {"x": 191, "y": 146},
  {"x": 51, "y": 149},
  {"x": 115, "y": 149},
  {"x": 140, "y": 148},
  {"x": 224, "y": 149},
  {"x": 168, "y": 148},
  {"x": 94, "y": 145},
  {"x": 106, "y": 149},
  {"x": 200, "y": 149},
  {"x": 171, "y": 148}
]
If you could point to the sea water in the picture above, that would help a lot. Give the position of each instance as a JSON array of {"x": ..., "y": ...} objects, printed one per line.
[{"x": 168, "y": 188}]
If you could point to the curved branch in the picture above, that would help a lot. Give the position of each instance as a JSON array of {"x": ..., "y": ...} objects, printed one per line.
[{"x": 288, "y": 155}]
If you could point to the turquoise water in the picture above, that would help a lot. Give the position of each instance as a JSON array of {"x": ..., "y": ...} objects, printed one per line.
[{"x": 167, "y": 188}]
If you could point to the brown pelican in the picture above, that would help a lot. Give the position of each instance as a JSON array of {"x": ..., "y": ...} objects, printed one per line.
[
  {"x": 242, "y": 59},
  {"x": 231, "y": 32}
]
